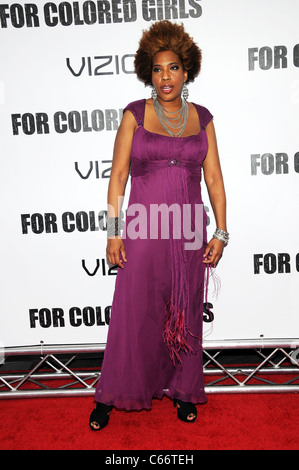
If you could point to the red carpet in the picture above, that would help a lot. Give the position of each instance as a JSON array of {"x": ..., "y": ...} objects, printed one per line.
[{"x": 226, "y": 422}]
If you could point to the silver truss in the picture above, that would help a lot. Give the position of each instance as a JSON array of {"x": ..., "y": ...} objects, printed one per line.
[{"x": 54, "y": 374}]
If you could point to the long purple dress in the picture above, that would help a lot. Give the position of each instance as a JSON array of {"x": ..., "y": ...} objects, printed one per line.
[{"x": 154, "y": 343}]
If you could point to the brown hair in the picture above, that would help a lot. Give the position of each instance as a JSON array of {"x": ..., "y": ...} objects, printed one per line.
[{"x": 166, "y": 36}]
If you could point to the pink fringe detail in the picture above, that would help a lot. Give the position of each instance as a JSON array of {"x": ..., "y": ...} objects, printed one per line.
[
  {"x": 210, "y": 272},
  {"x": 175, "y": 333}
]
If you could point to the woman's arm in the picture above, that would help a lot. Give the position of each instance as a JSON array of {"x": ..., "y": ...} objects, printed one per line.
[
  {"x": 117, "y": 184},
  {"x": 214, "y": 181}
]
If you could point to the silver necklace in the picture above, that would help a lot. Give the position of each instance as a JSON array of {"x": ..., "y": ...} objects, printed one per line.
[{"x": 179, "y": 122}]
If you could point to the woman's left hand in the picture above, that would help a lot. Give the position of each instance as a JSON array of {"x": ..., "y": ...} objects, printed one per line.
[{"x": 213, "y": 252}]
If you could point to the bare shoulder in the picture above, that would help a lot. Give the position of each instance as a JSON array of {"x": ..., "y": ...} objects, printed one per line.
[{"x": 149, "y": 106}]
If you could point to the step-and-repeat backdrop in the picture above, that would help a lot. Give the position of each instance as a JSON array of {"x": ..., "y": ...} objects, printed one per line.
[{"x": 66, "y": 73}]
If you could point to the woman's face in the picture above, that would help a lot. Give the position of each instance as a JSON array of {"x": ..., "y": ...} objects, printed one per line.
[{"x": 168, "y": 76}]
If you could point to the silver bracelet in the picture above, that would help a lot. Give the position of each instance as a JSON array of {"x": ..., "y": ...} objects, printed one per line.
[
  {"x": 113, "y": 227},
  {"x": 222, "y": 236}
]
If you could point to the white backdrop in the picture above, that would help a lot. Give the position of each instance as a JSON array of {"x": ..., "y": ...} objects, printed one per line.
[{"x": 66, "y": 74}]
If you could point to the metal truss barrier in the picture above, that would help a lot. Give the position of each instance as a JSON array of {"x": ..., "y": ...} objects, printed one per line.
[{"x": 55, "y": 371}]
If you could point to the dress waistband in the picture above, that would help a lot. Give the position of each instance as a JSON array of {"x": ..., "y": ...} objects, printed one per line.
[{"x": 142, "y": 167}]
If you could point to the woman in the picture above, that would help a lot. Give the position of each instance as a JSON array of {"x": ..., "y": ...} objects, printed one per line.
[{"x": 154, "y": 345}]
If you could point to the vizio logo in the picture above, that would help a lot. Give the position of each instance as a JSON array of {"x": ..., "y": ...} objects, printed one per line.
[{"x": 101, "y": 65}]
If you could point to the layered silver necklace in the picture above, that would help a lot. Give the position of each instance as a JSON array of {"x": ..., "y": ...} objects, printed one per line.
[{"x": 179, "y": 122}]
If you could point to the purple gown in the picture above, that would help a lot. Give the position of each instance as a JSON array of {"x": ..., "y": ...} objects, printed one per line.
[{"x": 154, "y": 343}]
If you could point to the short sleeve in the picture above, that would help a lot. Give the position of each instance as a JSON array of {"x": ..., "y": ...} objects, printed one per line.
[
  {"x": 137, "y": 109},
  {"x": 207, "y": 117},
  {"x": 204, "y": 115}
]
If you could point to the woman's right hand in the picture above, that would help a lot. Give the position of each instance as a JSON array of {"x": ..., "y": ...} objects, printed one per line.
[{"x": 115, "y": 248}]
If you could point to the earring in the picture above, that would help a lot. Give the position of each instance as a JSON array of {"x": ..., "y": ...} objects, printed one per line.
[
  {"x": 154, "y": 93},
  {"x": 185, "y": 92}
]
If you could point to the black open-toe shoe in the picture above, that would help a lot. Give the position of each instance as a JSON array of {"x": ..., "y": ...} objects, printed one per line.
[
  {"x": 186, "y": 411},
  {"x": 99, "y": 417}
]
